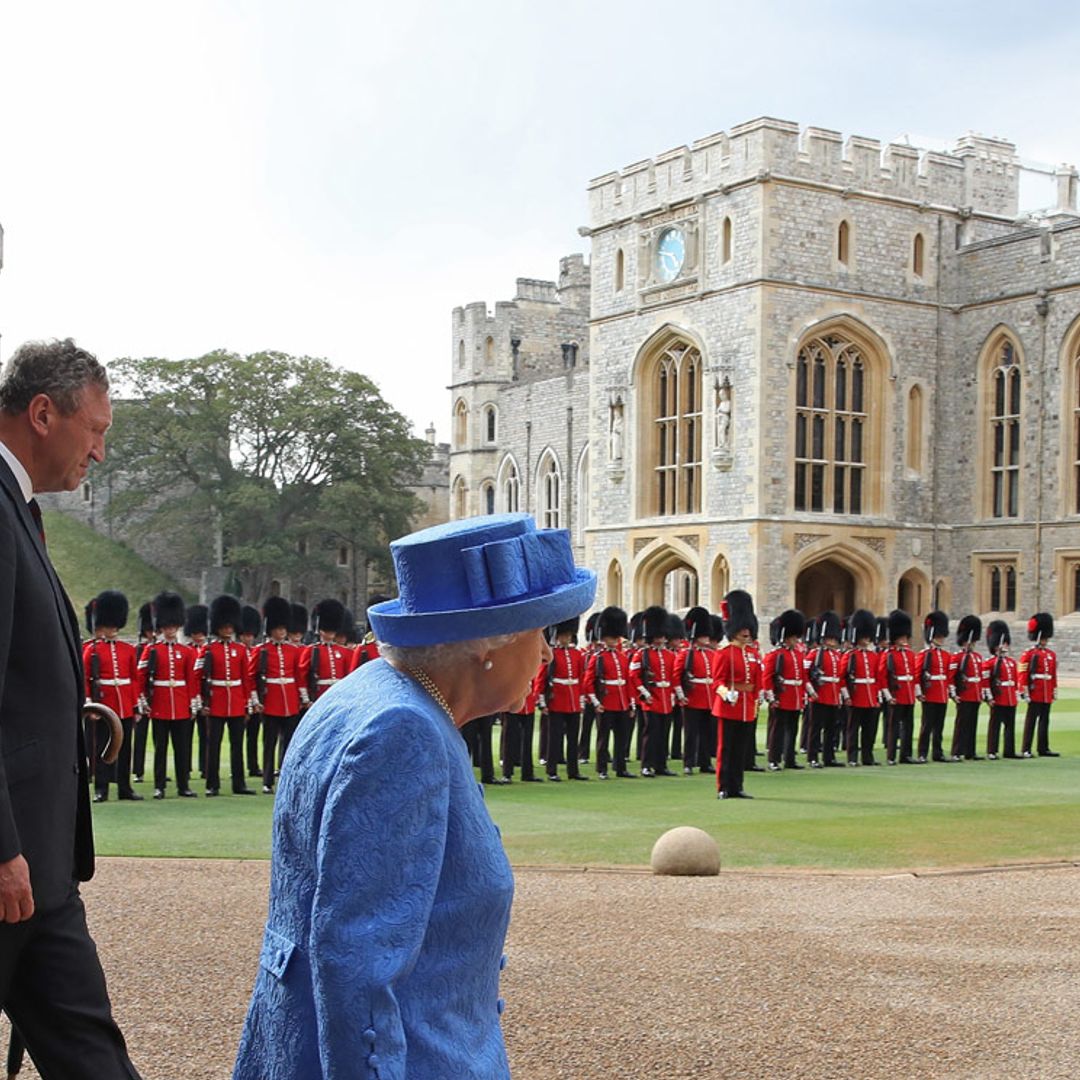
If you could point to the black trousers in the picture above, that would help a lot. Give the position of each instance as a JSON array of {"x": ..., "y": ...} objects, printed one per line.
[
  {"x": 1038, "y": 717},
  {"x": 1003, "y": 719},
  {"x": 932, "y": 729},
  {"x": 562, "y": 733},
  {"x": 215, "y": 731},
  {"x": 696, "y": 725},
  {"x": 899, "y": 731},
  {"x": 822, "y": 740},
  {"x": 749, "y": 742},
  {"x": 588, "y": 714},
  {"x": 965, "y": 727},
  {"x": 784, "y": 729},
  {"x": 53, "y": 989},
  {"x": 275, "y": 729},
  {"x": 138, "y": 747},
  {"x": 515, "y": 747},
  {"x": 97, "y": 737},
  {"x": 861, "y": 730},
  {"x": 733, "y": 738},
  {"x": 251, "y": 741},
  {"x": 654, "y": 750},
  {"x": 612, "y": 725},
  {"x": 179, "y": 731},
  {"x": 204, "y": 741},
  {"x": 676, "y": 733}
]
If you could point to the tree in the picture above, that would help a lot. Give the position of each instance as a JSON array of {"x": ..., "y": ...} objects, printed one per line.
[{"x": 260, "y": 452}]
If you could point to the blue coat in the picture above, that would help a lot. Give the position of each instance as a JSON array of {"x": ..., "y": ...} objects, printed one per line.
[{"x": 389, "y": 899}]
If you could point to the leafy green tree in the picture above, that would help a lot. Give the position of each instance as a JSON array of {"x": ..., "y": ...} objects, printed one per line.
[{"x": 250, "y": 454}]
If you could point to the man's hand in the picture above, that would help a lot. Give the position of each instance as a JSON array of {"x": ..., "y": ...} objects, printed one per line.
[{"x": 16, "y": 896}]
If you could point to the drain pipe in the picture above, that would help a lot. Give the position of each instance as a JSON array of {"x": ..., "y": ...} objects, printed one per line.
[{"x": 1042, "y": 309}]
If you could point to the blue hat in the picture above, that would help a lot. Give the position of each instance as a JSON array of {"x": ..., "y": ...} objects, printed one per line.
[{"x": 481, "y": 577}]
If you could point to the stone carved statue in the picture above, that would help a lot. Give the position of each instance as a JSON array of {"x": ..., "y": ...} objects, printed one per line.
[
  {"x": 723, "y": 416},
  {"x": 615, "y": 435}
]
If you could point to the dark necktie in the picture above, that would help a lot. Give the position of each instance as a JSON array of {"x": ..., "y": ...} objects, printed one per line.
[{"x": 35, "y": 513}]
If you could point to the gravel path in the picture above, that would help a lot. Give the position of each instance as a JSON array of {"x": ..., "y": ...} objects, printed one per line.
[{"x": 625, "y": 975}]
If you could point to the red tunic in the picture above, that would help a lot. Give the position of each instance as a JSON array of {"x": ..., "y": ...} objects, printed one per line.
[
  {"x": 737, "y": 672},
  {"x": 221, "y": 678},
  {"x": 561, "y": 687},
  {"x": 365, "y": 651},
  {"x": 826, "y": 674},
  {"x": 166, "y": 675},
  {"x": 274, "y": 671},
  {"x": 933, "y": 672},
  {"x": 785, "y": 676},
  {"x": 607, "y": 679},
  {"x": 1038, "y": 673},
  {"x": 693, "y": 672},
  {"x": 898, "y": 674},
  {"x": 652, "y": 675},
  {"x": 322, "y": 665},
  {"x": 861, "y": 674},
  {"x": 111, "y": 673},
  {"x": 965, "y": 675},
  {"x": 1001, "y": 680}
]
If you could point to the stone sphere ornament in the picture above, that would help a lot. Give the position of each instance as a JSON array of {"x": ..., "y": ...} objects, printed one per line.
[{"x": 686, "y": 852}]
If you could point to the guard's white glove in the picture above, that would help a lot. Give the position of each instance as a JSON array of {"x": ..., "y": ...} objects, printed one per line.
[{"x": 731, "y": 697}]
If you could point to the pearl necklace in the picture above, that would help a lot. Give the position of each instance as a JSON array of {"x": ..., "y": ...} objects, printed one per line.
[{"x": 424, "y": 680}]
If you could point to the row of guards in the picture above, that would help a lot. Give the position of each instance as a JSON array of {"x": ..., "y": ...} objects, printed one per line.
[
  {"x": 691, "y": 695},
  {"x": 237, "y": 669}
]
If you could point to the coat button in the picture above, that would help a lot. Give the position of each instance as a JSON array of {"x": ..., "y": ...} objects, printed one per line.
[
  {"x": 373, "y": 1060},
  {"x": 499, "y": 1006},
  {"x": 502, "y": 962},
  {"x": 369, "y": 1034}
]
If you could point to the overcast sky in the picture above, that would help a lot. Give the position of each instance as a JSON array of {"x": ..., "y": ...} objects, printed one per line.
[{"x": 331, "y": 177}]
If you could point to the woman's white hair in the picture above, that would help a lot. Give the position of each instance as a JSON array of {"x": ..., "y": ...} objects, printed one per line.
[{"x": 433, "y": 657}]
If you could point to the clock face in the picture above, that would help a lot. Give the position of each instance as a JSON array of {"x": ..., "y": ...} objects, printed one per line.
[{"x": 670, "y": 254}]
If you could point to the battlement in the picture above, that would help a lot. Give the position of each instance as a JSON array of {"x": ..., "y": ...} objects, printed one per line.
[{"x": 980, "y": 174}]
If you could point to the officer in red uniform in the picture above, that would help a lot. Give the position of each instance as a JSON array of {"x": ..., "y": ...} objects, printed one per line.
[
  {"x": 274, "y": 674},
  {"x": 142, "y": 719},
  {"x": 607, "y": 687},
  {"x": 111, "y": 677},
  {"x": 1038, "y": 684},
  {"x": 933, "y": 672},
  {"x": 1001, "y": 688},
  {"x": 560, "y": 697},
  {"x": 737, "y": 682},
  {"x": 785, "y": 684},
  {"x": 693, "y": 676},
  {"x": 826, "y": 676},
  {"x": 516, "y": 740},
  {"x": 221, "y": 672},
  {"x": 965, "y": 688},
  {"x": 197, "y": 631},
  {"x": 652, "y": 674},
  {"x": 898, "y": 686},
  {"x": 166, "y": 675},
  {"x": 325, "y": 662},
  {"x": 861, "y": 680}
]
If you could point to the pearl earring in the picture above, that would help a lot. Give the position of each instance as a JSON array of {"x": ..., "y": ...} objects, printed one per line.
[{"x": 488, "y": 665}]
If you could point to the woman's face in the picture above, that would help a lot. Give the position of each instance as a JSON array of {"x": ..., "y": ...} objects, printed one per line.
[{"x": 513, "y": 668}]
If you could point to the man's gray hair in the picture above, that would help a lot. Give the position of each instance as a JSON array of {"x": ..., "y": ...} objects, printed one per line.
[{"x": 59, "y": 369}]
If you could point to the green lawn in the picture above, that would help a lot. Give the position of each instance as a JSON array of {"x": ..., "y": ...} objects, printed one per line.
[{"x": 972, "y": 813}]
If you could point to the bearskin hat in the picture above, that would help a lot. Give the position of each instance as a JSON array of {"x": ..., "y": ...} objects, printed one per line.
[
  {"x": 676, "y": 630},
  {"x": 862, "y": 624},
  {"x": 298, "y": 619},
  {"x": 827, "y": 625},
  {"x": 881, "y": 629},
  {"x": 250, "y": 620},
  {"x": 775, "y": 636},
  {"x": 635, "y": 625},
  {"x": 328, "y": 615},
  {"x": 654, "y": 622},
  {"x": 146, "y": 619},
  {"x": 225, "y": 610},
  {"x": 899, "y": 625},
  {"x": 792, "y": 623},
  {"x": 277, "y": 611},
  {"x": 348, "y": 627},
  {"x": 590, "y": 626},
  {"x": 570, "y": 626},
  {"x": 997, "y": 634},
  {"x": 717, "y": 624},
  {"x": 1040, "y": 626},
  {"x": 168, "y": 610},
  {"x": 612, "y": 623},
  {"x": 698, "y": 623},
  {"x": 968, "y": 629},
  {"x": 196, "y": 620},
  {"x": 375, "y": 598},
  {"x": 936, "y": 624},
  {"x": 737, "y": 610},
  {"x": 109, "y": 608}
]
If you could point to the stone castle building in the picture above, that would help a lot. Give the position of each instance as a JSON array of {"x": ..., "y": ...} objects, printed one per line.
[{"x": 833, "y": 373}]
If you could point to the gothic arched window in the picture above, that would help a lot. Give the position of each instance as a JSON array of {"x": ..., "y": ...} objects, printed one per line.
[
  {"x": 549, "y": 488},
  {"x": 509, "y": 486},
  {"x": 673, "y": 440},
  {"x": 1004, "y": 430}
]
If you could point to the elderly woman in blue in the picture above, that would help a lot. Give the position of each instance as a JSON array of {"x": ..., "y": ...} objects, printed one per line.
[{"x": 390, "y": 891}]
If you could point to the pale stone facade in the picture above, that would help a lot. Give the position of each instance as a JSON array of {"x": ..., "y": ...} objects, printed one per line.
[{"x": 835, "y": 374}]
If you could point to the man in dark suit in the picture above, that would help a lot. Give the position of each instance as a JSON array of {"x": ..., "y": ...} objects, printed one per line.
[{"x": 54, "y": 412}]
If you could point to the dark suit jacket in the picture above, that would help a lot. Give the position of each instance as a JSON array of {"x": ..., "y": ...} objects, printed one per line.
[{"x": 44, "y": 796}]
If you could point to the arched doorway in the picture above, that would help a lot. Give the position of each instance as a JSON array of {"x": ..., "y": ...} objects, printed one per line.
[
  {"x": 913, "y": 593},
  {"x": 666, "y": 575},
  {"x": 825, "y": 586}
]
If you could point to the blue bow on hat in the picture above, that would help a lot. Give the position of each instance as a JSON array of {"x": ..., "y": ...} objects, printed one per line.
[{"x": 481, "y": 577}]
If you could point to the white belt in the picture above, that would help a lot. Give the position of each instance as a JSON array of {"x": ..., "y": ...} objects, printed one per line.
[
  {"x": 280, "y": 682},
  {"x": 127, "y": 682},
  {"x": 1010, "y": 683},
  {"x": 327, "y": 682},
  {"x": 566, "y": 682},
  {"x": 226, "y": 682},
  {"x": 903, "y": 678},
  {"x": 169, "y": 682},
  {"x": 663, "y": 685},
  {"x": 1039, "y": 676},
  {"x": 866, "y": 682},
  {"x": 614, "y": 682},
  {"x": 933, "y": 678},
  {"x": 707, "y": 682},
  {"x": 828, "y": 678},
  {"x": 792, "y": 682}
]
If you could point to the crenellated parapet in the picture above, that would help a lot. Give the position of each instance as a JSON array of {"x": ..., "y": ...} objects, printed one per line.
[{"x": 980, "y": 175}]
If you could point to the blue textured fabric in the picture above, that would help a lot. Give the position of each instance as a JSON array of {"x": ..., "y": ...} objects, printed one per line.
[
  {"x": 479, "y": 577},
  {"x": 389, "y": 899}
]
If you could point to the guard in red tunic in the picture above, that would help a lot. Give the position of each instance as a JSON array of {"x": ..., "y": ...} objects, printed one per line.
[
  {"x": 737, "y": 682},
  {"x": 933, "y": 675},
  {"x": 166, "y": 676},
  {"x": 1001, "y": 688},
  {"x": 197, "y": 631},
  {"x": 861, "y": 680},
  {"x": 693, "y": 675},
  {"x": 142, "y": 718},
  {"x": 274, "y": 673},
  {"x": 249, "y": 632},
  {"x": 898, "y": 685},
  {"x": 516, "y": 740},
  {"x": 652, "y": 673},
  {"x": 785, "y": 684},
  {"x": 324, "y": 662},
  {"x": 1038, "y": 684},
  {"x": 677, "y": 644},
  {"x": 111, "y": 676},
  {"x": 221, "y": 672},
  {"x": 826, "y": 676},
  {"x": 607, "y": 687},
  {"x": 560, "y": 698},
  {"x": 298, "y": 623},
  {"x": 965, "y": 688},
  {"x": 588, "y": 710}
]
